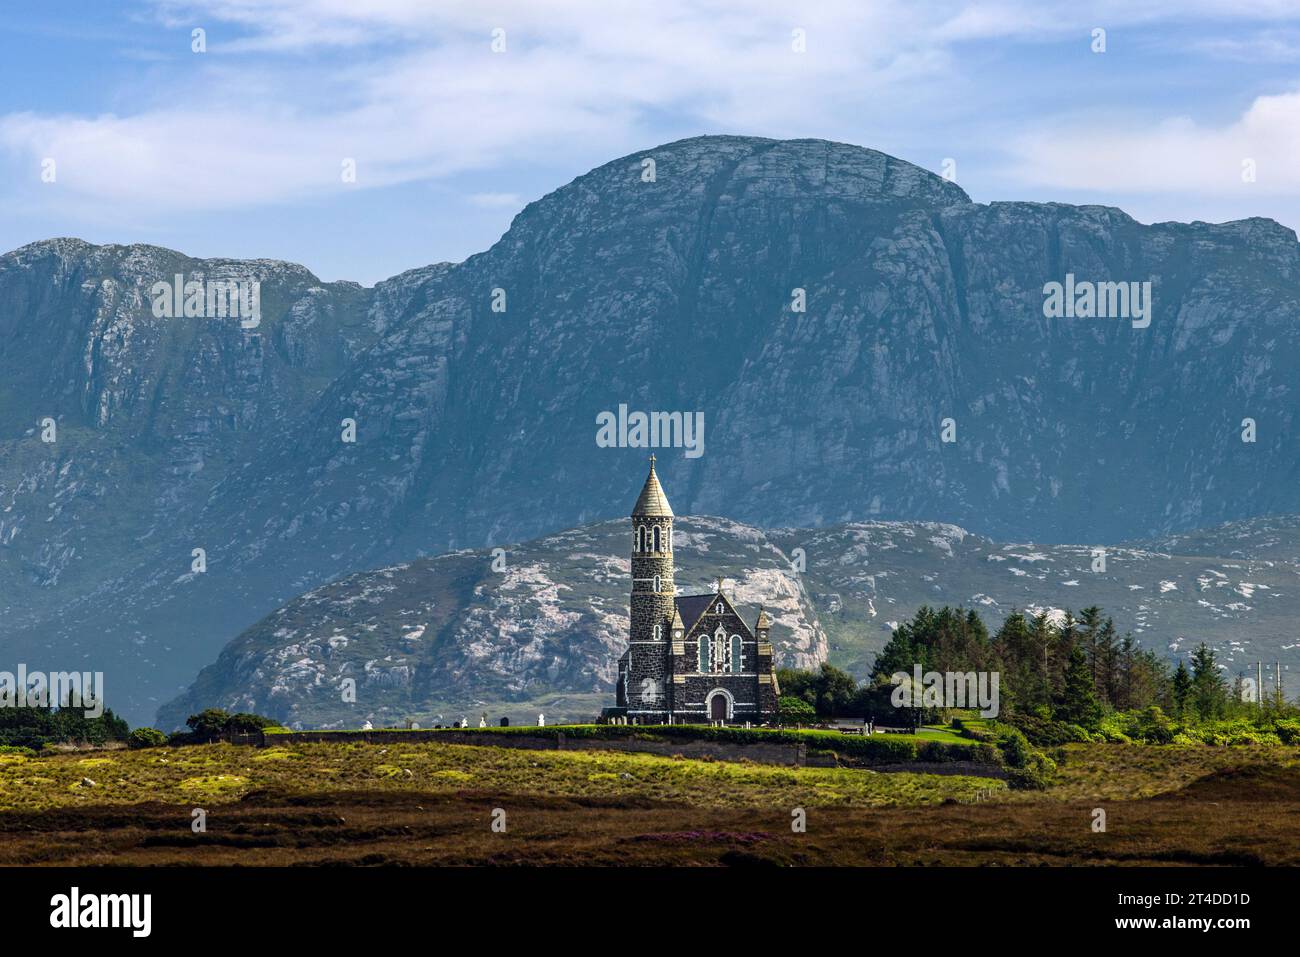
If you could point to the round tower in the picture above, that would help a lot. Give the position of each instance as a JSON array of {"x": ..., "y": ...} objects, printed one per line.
[{"x": 652, "y": 562}]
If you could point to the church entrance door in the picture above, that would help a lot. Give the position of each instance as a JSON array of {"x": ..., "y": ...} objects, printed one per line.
[{"x": 718, "y": 708}]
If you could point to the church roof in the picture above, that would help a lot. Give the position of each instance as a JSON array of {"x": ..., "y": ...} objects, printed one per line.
[
  {"x": 691, "y": 607},
  {"x": 652, "y": 501}
]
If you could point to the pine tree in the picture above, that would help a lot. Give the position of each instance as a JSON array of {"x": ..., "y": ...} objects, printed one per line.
[
  {"x": 1106, "y": 669},
  {"x": 1089, "y": 631},
  {"x": 1077, "y": 702},
  {"x": 1127, "y": 672},
  {"x": 1024, "y": 677},
  {"x": 1148, "y": 679},
  {"x": 1209, "y": 691},
  {"x": 1182, "y": 689},
  {"x": 1066, "y": 638}
]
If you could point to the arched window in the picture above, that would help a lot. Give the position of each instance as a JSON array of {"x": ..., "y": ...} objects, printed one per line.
[
  {"x": 640, "y": 538},
  {"x": 706, "y": 662},
  {"x": 656, "y": 539},
  {"x": 658, "y": 585},
  {"x": 737, "y": 654},
  {"x": 659, "y": 632},
  {"x": 719, "y": 608}
]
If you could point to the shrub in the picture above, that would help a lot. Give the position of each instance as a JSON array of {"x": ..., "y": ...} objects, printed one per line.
[
  {"x": 1037, "y": 774},
  {"x": 1045, "y": 732},
  {"x": 207, "y": 724},
  {"x": 1028, "y": 768},
  {"x": 1015, "y": 748},
  {"x": 146, "y": 738},
  {"x": 1154, "y": 726},
  {"x": 245, "y": 723},
  {"x": 214, "y": 723},
  {"x": 1287, "y": 729},
  {"x": 792, "y": 710}
]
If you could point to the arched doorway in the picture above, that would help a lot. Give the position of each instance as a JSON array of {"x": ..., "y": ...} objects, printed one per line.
[{"x": 719, "y": 704}]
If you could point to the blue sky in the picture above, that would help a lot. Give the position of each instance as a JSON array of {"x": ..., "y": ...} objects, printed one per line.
[{"x": 238, "y": 151}]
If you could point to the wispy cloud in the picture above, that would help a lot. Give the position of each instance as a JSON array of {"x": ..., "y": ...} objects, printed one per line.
[
  {"x": 1255, "y": 152},
  {"x": 290, "y": 91}
]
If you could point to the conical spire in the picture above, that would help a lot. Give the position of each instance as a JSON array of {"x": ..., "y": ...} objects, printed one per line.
[
  {"x": 652, "y": 501},
  {"x": 763, "y": 620}
]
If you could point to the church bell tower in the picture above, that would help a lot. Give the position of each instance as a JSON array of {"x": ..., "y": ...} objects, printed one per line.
[{"x": 652, "y": 596}]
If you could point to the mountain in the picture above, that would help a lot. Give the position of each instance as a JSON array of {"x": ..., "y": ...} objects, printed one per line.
[
  {"x": 539, "y": 626},
  {"x": 674, "y": 293}
]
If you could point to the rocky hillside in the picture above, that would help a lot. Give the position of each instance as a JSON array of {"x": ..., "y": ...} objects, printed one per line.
[
  {"x": 453, "y": 636},
  {"x": 477, "y": 427}
]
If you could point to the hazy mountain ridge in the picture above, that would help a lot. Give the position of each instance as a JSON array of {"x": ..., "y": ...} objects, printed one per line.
[
  {"x": 452, "y": 635},
  {"x": 475, "y": 427}
]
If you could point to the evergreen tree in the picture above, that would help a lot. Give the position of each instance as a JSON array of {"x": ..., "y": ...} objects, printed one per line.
[
  {"x": 1127, "y": 672},
  {"x": 1014, "y": 646},
  {"x": 1067, "y": 636},
  {"x": 1089, "y": 635},
  {"x": 1146, "y": 678},
  {"x": 1182, "y": 690},
  {"x": 1209, "y": 690},
  {"x": 1077, "y": 701},
  {"x": 1106, "y": 669}
]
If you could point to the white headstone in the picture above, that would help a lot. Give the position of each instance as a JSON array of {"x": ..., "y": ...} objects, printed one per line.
[{"x": 541, "y": 721}]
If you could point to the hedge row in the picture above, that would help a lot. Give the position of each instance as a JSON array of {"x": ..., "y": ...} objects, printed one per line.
[{"x": 872, "y": 749}]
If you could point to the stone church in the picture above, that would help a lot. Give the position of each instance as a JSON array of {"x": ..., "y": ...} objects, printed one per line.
[{"x": 691, "y": 659}]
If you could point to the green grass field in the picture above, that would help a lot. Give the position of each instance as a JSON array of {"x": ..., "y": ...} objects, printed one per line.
[{"x": 222, "y": 772}]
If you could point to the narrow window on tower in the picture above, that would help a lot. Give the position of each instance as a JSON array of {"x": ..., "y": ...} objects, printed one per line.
[
  {"x": 640, "y": 538},
  {"x": 659, "y": 632},
  {"x": 656, "y": 537},
  {"x": 658, "y": 586}
]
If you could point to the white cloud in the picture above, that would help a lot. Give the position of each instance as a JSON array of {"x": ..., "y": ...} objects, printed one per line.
[
  {"x": 1177, "y": 155},
  {"x": 272, "y": 109},
  {"x": 497, "y": 200},
  {"x": 411, "y": 90}
]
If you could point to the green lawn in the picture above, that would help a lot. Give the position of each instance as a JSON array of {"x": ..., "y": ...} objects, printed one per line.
[{"x": 220, "y": 773}]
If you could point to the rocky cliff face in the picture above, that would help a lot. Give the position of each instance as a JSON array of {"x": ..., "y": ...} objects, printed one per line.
[
  {"x": 476, "y": 427},
  {"x": 470, "y": 630},
  {"x": 539, "y": 626}
]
